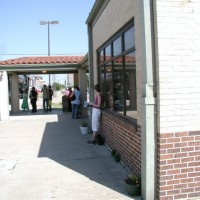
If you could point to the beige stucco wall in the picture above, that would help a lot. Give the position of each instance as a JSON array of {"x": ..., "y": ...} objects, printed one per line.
[
  {"x": 179, "y": 65},
  {"x": 115, "y": 16}
]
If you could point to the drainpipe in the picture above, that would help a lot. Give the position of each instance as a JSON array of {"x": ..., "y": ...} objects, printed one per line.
[
  {"x": 91, "y": 72},
  {"x": 148, "y": 126}
]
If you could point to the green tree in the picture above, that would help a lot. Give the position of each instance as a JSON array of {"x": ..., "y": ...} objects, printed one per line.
[{"x": 57, "y": 86}]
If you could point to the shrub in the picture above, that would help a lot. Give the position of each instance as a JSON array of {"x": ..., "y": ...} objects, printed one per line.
[
  {"x": 133, "y": 180},
  {"x": 116, "y": 155},
  {"x": 113, "y": 152},
  {"x": 84, "y": 123},
  {"x": 100, "y": 140}
]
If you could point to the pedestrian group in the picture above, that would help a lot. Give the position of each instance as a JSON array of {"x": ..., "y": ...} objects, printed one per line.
[
  {"x": 47, "y": 99},
  {"x": 74, "y": 104}
]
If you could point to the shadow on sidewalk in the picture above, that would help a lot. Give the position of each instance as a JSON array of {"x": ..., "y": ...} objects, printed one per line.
[{"x": 63, "y": 142}]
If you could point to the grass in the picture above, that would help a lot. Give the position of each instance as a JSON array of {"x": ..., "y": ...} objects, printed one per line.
[
  {"x": 53, "y": 105},
  {"x": 56, "y": 105}
]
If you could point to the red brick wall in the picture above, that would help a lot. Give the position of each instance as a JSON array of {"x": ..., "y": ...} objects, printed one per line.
[
  {"x": 124, "y": 137},
  {"x": 178, "y": 170}
]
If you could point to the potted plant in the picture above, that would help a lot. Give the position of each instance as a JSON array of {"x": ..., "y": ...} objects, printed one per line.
[
  {"x": 133, "y": 183},
  {"x": 116, "y": 155},
  {"x": 100, "y": 140},
  {"x": 84, "y": 127}
]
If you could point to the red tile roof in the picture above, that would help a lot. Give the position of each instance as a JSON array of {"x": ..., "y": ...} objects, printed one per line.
[{"x": 43, "y": 60}]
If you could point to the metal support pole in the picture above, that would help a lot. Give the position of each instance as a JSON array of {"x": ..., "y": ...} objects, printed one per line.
[
  {"x": 48, "y": 23},
  {"x": 148, "y": 126},
  {"x": 49, "y": 49}
]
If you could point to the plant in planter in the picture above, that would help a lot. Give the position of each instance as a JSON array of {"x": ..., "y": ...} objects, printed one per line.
[
  {"x": 116, "y": 155},
  {"x": 113, "y": 152},
  {"x": 84, "y": 123},
  {"x": 84, "y": 127},
  {"x": 133, "y": 183},
  {"x": 100, "y": 140}
]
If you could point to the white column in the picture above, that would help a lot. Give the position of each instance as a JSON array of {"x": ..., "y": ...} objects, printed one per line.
[
  {"x": 14, "y": 93},
  {"x": 4, "y": 99},
  {"x": 83, "y": 87},
  {"x": 91, "y": 72}
]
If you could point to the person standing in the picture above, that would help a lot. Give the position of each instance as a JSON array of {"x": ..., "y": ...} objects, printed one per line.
[
  {"x": 50, "y": 97},
  {"x": 69, "y": 92},
  {"x": 33, "y": 97},
  {"x": 75, "y": 103},
  {"x": 96, "y": 112},
  {"x": 45, "y": 92},
  {"x": 24, "y": 105}
]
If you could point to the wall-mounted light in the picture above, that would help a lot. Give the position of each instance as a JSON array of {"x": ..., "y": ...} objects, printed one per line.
[{"x": 44, "y": 71}]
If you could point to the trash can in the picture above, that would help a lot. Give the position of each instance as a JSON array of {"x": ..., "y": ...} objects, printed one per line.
[{"x": 64, "y": 103}]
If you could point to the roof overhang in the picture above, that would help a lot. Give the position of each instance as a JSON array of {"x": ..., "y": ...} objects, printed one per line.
[
  {"x": 96, "y": 11},
  {"x": 45, "y": 65},
  {"x": 39, "y": 69}
]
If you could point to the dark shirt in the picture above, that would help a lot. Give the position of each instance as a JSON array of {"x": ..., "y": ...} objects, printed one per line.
[
  {"x": 50, "y": 94},
  {"x": 33, "y": 94}
]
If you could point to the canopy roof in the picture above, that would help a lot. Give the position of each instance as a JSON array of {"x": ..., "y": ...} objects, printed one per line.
[{"x": 38, "y": 65}]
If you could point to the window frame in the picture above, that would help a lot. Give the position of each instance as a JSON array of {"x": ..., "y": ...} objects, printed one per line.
[{"x": 105, "y": 62}]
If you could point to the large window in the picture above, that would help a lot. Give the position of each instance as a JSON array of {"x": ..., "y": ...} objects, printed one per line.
[
  {"x": 130, "y": 85},
  {"x": 117, "y": 46},
  {"x": 129, "y": 38},
  {"x": 117, "y": 72},
  {"x": 118, "y": 85}
]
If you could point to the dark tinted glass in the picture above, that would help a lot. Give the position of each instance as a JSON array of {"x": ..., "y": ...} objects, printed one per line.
[
  {"x": 118, "y": 85},
  {"x": 129, "y": 38},
  {"x": 117, "y": 46},
  {"x": 108, "y": 53},
  {"x": 109, "y": 86},
  {"x": 130, "y": 85}
]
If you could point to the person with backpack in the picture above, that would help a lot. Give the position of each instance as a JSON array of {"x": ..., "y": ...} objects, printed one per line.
[{"x": 76, "y": 102}]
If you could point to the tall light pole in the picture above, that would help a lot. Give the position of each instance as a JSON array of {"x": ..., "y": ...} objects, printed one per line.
[{"x": 48, "y": 23}]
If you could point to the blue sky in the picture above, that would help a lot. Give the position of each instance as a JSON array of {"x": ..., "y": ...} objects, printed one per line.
[{"x": 22, "y": 35}]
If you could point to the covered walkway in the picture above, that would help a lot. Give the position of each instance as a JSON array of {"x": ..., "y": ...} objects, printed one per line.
[
  {"x": 10, "y": 69},
  {"x": 44, "y": 156}
]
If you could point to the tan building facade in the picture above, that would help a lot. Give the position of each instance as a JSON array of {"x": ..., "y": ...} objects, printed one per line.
[{"x": 145, "y": 56}]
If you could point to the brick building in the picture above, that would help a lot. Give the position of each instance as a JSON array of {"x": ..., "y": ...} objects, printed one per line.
[{"x": 145, "y": 55}]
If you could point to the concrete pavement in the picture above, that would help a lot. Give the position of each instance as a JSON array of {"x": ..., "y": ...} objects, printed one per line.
[{"x": 44, "y": 156}]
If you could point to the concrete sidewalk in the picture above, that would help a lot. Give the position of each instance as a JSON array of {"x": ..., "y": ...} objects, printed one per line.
[{"x": 44, "y": 156}]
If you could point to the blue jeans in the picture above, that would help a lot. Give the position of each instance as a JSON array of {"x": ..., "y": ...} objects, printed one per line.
[
  {"x": 74, "y": 111},
  {"x": 45, "y": 103}
]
